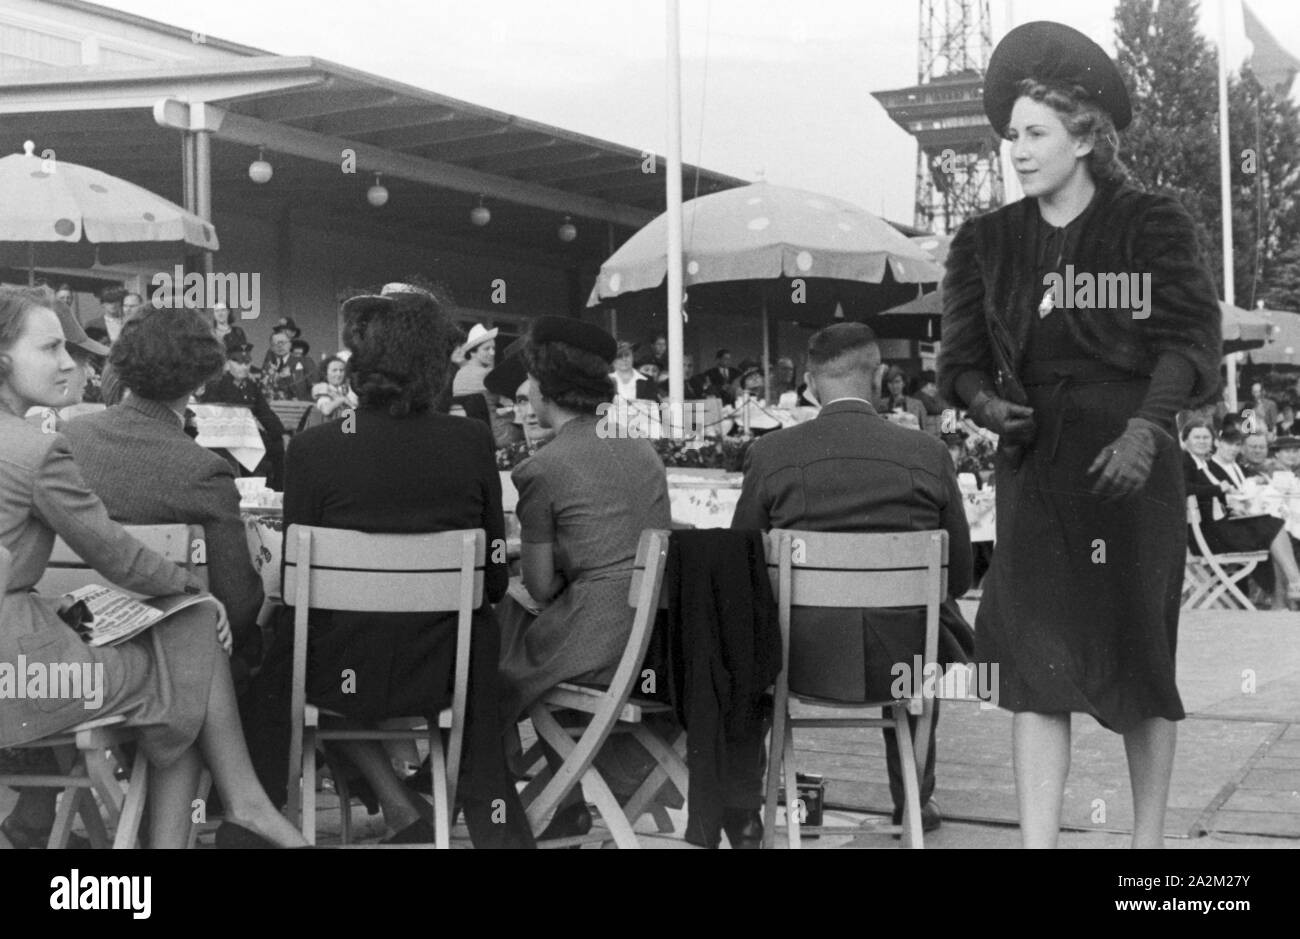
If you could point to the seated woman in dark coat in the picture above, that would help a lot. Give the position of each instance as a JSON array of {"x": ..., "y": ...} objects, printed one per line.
[
  {"x": 1211, "y": 482},
  {"x": 398, "y": 467}
]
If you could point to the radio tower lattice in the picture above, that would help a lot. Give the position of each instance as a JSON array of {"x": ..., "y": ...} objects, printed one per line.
[{"x": 959, "y": 167}]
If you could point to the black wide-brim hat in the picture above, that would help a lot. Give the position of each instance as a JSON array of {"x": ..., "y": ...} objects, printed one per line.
[
  {"x": 1055, "y": 54},
  {"x": 511, "y": 372},
  {"x": 576, "y": 333}
]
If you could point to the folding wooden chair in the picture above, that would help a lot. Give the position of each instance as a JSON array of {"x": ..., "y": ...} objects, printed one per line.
[
  {"x": 612, "y": 710},
  {"x": 336, "y": 569},
  {"x": 83, "y": 752},
  {"x": 857, "y": 571},
  {"x": 1211, "y": 580}
]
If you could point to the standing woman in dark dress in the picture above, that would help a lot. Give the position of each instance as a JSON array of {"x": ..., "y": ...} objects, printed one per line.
[{"x": 1081, "y": 603}]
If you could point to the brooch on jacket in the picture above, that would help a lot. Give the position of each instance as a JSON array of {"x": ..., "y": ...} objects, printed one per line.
[{"x": 1047, "y": 304}]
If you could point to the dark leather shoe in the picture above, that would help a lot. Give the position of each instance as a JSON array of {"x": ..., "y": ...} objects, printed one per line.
[
  {"x": 24, "y": 838},
  {"x": 744, "y": 828},
  {"x": 230, "y": 835},
  {"x": 418, "y": 832},
  {"x": 931, "y": 818},
  {"x": 572, "y": 821}
]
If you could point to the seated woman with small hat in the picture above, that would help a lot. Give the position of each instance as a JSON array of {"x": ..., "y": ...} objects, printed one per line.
[{"x": 584, "y": 500}]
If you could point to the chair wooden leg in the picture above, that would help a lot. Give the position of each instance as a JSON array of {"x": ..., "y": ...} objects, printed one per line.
[
  {"x": 911, "y": 786},
  {"x": 775, "y": 760},
  {"x": 669, "y": 754},
  {"x": 543, "y": 806},
  {"x": 90, "y": 817},
  {"x": 105, "y": 783},
  {"x": 344, "y": 792},
  {"x": 792, "y": 819},
  {"x": 309, "y": 784},
  {"x": 69, "y": 764},
  {"x": 441, "y": 812},
  {"x": 533, "y": 788},
  {"x": 128, "y": 823},
  {"x": 611, "y": 813}
]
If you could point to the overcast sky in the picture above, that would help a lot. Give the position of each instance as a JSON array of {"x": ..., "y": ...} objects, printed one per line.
[{"x": 779, "y": 88}]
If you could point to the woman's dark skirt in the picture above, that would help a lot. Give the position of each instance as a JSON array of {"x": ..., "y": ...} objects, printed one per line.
[
  {"x": 1234, "y": 535},
  {"x": 1081, "y": 603}
]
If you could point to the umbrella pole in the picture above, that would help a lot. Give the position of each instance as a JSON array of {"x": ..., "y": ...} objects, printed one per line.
[
  {"x": 767, "y": 351},
  {"x": 674, "y": 202},
  {"x": 31, "y": 264}
]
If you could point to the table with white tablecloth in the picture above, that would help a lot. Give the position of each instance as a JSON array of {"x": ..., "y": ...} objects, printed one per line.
[{"x": 231, "y": 428}]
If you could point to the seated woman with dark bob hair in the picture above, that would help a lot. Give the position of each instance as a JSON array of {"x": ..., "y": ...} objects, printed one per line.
[
  {"x": 584, "y": 500},
  {"x": 397, "y": 467}
]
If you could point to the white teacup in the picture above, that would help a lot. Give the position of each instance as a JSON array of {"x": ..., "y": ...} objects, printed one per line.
[{"x": 250, "y": 485}]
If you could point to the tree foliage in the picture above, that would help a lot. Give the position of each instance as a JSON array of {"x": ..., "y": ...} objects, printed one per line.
[{"x": 1172, "y": 146}]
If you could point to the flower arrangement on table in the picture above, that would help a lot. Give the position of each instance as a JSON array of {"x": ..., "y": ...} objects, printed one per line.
[{"x": 726, "y": 453}]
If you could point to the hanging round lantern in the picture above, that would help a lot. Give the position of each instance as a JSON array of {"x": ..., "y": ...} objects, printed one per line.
[
  {"x": 377, "y": 195},
  {"x": 259, "y": 171},
  {"x": 480, "y": 215}
]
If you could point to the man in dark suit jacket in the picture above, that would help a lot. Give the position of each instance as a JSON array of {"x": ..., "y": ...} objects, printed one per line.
[
  {"x": 138, "y": 459},
  {"x": 849, "y": 470},
  {"x": 105, "y": 327}
]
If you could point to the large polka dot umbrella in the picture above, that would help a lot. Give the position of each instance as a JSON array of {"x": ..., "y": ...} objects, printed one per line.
[
  {"x": 58, "y": 213},
  {"x": 771, "y": 252},
  {"x": 761, "y": 232}
]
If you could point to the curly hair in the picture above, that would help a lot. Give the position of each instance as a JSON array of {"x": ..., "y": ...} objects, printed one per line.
[
  {"x": 15, "y": 303},
  {"x": 575, "y": 379},
  {"x": 1084, "y": 120},
  {"x": 163, "y": 354},
  {"x": 400, "y": 354}
]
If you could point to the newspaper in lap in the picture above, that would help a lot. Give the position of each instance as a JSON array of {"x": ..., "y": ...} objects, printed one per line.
[{"x": 116, "y": 617}]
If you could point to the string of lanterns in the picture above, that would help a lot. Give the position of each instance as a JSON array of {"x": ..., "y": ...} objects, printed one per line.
[{"x": 260, "y": 171}]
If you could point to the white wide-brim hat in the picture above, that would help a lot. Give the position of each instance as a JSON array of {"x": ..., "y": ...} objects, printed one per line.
[{"x": 477, "y": 336}]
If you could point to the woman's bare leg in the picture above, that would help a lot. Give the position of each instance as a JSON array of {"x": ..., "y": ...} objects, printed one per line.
[
  {"x": 1041, "y": 751},
  {"x": 399, "y": 806},
  {"x": 1285, "y": 557},
  {"x": 171, "y": 797},
  {"x": 1150, "y": 749},
  {"x": 222, "y": 743}
]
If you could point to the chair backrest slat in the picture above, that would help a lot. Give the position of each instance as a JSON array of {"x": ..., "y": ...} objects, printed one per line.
[
  {"x": 181, "y": 544},
  {"x": 360, "y": 572},
  {"x": 863, "y": 571},
  {"x": 876, "y": 551},
  {"x": 861, "y": 589}
]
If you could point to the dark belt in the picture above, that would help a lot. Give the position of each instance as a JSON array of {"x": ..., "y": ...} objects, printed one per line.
[
  {"x": 1060, "y": 373},
  {"x": 1054, "y": 371}
]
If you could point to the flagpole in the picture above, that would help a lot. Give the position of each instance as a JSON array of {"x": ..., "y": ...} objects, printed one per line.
[
  {"x": 674, "y": 201},
  {"x": 1225, "y": 190}
]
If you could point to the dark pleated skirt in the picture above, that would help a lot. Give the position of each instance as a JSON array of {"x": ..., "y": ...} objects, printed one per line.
[{"x": 1081, "y": 602}]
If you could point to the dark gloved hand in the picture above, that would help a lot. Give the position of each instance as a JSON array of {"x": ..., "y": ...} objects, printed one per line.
[
  {"x": 1014, "y": 422},
  {"x": 1125, "y": 463}
]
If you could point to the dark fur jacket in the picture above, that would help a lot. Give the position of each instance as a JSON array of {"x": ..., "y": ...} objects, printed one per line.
[{"x": 991, "y": 270}]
